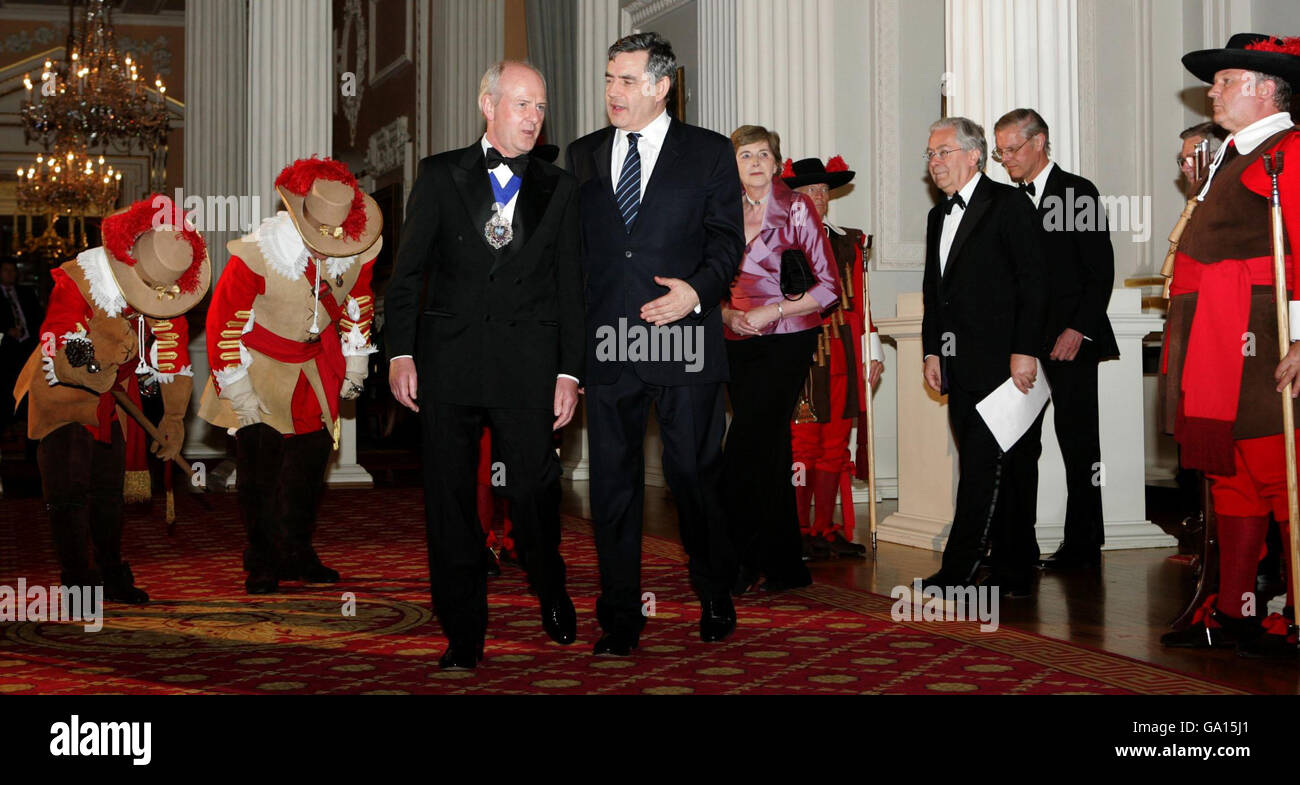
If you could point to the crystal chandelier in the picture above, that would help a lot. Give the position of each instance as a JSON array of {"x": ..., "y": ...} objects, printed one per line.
[
  {"x": 69, "y": 182},
  {"x": 95, "y": 94}
]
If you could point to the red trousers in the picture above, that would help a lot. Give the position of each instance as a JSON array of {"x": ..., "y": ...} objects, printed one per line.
[
  {"x": 1243, "y": 503},
  {"x": 825, "y": 446}
]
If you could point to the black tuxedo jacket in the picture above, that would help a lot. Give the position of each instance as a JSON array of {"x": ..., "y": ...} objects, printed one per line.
[
  {"x": 30, "y": 305},
  {"x": 991, "y": 301},
  {"x": 494, "y": 328},
  {"x": 689, "y": 226},
  {"x": 1080, "y": 265}
]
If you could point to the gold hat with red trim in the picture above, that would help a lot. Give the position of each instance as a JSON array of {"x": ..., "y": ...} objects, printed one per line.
[
  {"x": 158, "y": 260},
  {"x": 332, "y": 214}
]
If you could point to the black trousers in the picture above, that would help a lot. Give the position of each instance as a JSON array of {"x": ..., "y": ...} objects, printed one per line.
[
  {"x": 1074, "y": 396},
  {"x": 997, "y": 495},
  {"x": 691, "y": 422},
  {"x": 521, "y": 440},
  {"x": 767, "y": 373},
  {"x": 81, "y": 481}
]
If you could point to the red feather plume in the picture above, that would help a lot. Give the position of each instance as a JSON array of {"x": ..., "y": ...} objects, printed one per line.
[
  {"x": 788, "y": 171},
  {"x": 297, "y": 178},
  {"x": 121, "y": 231},
  {"x": 836, "y": 164},
  {"x": 1286, "y": 46}
]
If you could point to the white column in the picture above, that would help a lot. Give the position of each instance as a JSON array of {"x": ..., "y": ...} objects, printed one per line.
[
  {"x": 1005, "y": 54},
  {"x": 216, "y": 162},
  {"x": 467, "y": 36},
  {"x": 927, "y": 457},
  {"x": 719, "y": 63},
  {"x": 785, "y": 52},
  {"x": 599, "y": 24}
]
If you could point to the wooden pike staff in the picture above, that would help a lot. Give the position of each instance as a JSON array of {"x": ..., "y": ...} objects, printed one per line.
[
  {"x": 128, "y": 406},
  {"x": 1273, "y": 167},
  {"x": 871, "y": 419}
]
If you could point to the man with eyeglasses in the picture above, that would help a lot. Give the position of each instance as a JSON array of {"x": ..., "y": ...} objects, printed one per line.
[
  {"x": 985, "y": 296},
  {"x": 1082, "y": 273},
  {"x": 1192, "y": 137}
]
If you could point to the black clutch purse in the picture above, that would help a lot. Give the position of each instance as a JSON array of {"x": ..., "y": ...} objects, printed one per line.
[{"x": 796, "y": 275}]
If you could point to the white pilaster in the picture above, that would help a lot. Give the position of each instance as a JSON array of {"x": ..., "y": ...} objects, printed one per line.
[
  {"x": 600, "y": 23},
  {"x": 785, "y": 53},
  {"x": 467, "y": 37},
  {"x": 1004, "y": 54},
  {"x": 719, "y": 63},
  {"x": 216, "y": 162}
]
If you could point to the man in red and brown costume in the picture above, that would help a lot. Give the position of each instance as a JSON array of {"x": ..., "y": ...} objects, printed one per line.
[
  {"x": 835, "y": 395},
  {"x": 1221, "y": 352},
  {"x": 114, "y": 311},
  {"x": 288, "y": 337}
]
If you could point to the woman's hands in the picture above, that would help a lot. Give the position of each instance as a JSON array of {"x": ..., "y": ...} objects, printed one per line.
[{"x": 750, "y": 322}]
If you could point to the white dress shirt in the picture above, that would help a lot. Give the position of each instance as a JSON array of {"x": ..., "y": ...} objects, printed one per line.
[
  {"x": 953, "y": 219},
  {"x": 649, "y": 145},
  {"x": 502, "y": 173},
  {"x": 1039, "y": 183}
]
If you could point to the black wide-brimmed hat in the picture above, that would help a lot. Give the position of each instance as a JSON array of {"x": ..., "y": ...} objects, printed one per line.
[
  {"x": 1278, "y": 57},
  {"x": 811, "y": 171}
]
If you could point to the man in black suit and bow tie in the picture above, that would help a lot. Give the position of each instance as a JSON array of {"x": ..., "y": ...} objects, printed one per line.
[
  {"x": 497, "y": 341},
  {"x": 985, "y": 296},
  {"x": 662, "y": 236},
  {"x": 20, "y": 323},
  {"x": 1081, "y": 274}
]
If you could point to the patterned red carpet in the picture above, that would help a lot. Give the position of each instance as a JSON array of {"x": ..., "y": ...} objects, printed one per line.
[{"x": 203, "y": 635}]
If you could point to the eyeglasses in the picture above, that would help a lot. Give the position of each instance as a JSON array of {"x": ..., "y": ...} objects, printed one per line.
[
  {"x": 1185, "y": 160},
  {"x": 1000, "y": 153},
  {"x": 942, "y": 155}
]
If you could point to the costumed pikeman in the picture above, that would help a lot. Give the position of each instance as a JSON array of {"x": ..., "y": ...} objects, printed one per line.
[
  {"x": 835, "y": 394},
  {"x": 288, "y": 337},
  {"x": 114, "y": 311},
  {"x": 1221, "y": 350}
]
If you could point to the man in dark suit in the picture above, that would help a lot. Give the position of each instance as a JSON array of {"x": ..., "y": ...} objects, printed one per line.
[
  {"x": 985, "y": 298},
  {"x": 20, "y": 323},
  {"x": 1081, "y": 274},
  {"x": 491, "y": 233},
  {"x": 662, "y": 237}
]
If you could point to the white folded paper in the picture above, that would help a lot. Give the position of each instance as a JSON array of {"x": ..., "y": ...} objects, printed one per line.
[{"x": 1008, "y": 412}]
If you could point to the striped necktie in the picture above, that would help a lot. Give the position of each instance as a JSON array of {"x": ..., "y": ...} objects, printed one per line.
[{"x": 628, "y": 192}]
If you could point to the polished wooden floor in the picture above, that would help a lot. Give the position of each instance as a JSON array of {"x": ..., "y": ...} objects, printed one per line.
[{"x": 1122, "y": 608}]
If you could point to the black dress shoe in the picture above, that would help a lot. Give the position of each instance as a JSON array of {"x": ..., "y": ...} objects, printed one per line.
[
  {"x": 1013, "y": 587},
  {"x": 942, "y": 580},
  {"x": 119, "y": 586},
  {"x": 815, "y": 548},
  {"x": 261, "y": 582},
  {"x": 841, "y": 548},
  {"x": 717, "y": 618},
  {"x": 619, "y": 643},
  {"x": 786, "y": 583},
  {"x": 1067, "y": 558},
  {"x": 492, "y": 566},
  {"x": 459, "y": 659},
  {"x": 745, "y": 581},
  {"x": 560, "y": 620}
]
